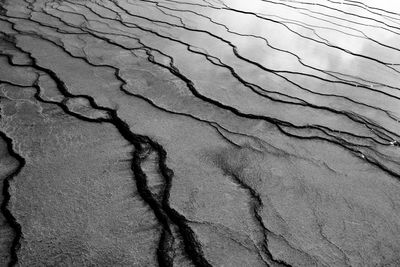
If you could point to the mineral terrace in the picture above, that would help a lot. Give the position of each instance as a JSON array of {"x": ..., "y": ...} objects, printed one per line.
[{"x": 200, "y": 133}]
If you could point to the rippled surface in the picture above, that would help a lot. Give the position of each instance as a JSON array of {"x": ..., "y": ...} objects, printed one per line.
[{"x": 205, "y": 133}]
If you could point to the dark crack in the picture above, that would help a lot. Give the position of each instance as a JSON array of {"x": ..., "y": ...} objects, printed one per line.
[{"x": 12, "y": 221}]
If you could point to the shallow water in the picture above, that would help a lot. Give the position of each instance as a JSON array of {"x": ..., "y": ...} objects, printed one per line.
[{"x": 236, "y": 133}]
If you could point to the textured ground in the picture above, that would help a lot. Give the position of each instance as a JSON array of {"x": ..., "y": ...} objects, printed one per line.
[{"x": 199, "y": 133}]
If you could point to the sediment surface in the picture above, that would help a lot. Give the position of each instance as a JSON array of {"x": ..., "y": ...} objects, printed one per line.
[{"x": 199, "y": 133}]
